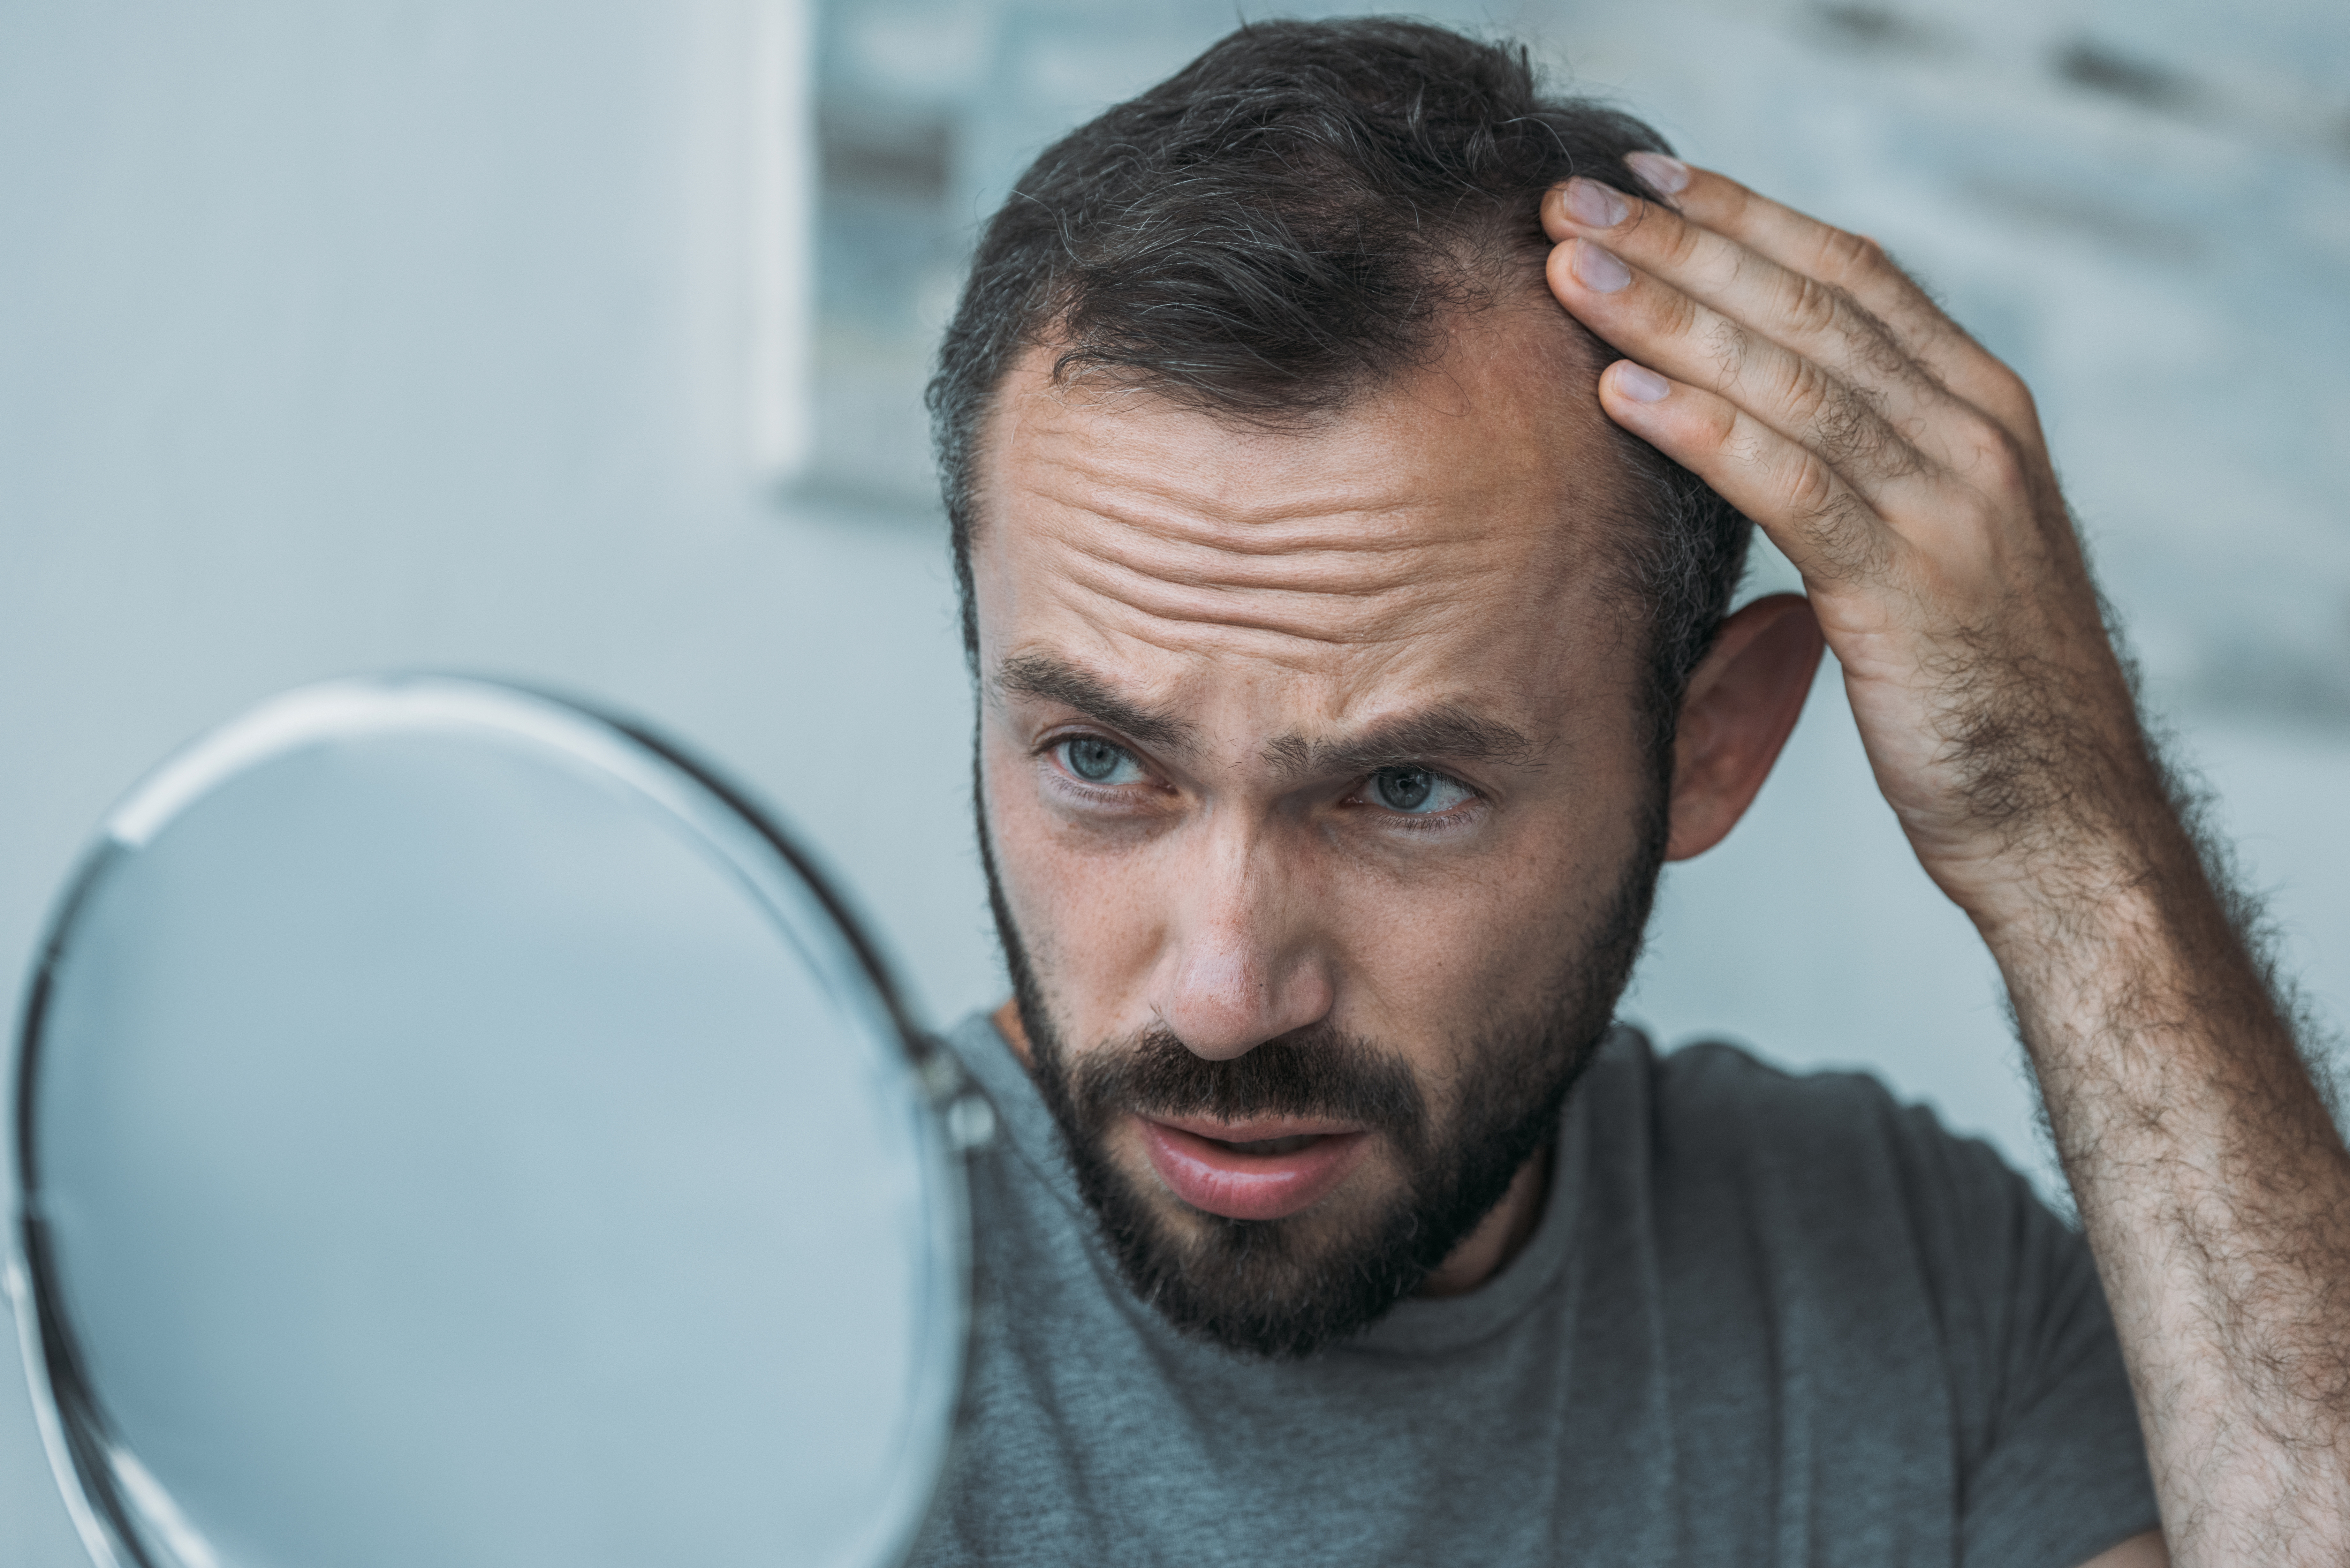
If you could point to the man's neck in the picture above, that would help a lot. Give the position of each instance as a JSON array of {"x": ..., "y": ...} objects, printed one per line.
[
  {"x": 1487, "y": 1249},
  {"x": 1501, "y": 1236}
]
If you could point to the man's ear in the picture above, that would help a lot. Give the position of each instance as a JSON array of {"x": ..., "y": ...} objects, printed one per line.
[{"x": 1741, "y": 703}]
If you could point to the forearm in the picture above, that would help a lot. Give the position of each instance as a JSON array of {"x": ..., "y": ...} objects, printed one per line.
[{"x": 2213, "y": 1187}]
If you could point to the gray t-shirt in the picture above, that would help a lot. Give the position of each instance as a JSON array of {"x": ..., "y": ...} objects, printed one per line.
[{"x": 1764, "y": 1319}]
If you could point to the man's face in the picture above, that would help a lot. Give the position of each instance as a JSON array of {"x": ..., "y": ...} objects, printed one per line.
[{"x": 1319, "y": 810}]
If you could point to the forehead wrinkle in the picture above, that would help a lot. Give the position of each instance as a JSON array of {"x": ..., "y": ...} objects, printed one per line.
[
  {"x": 1296, "y": 629},
  {"x": 1357, "y": 520},
  {"x": 1381, "y": 614},
  {"x": 1398, "y": 526},
  {"x": 1299, "y": 655},
  {"x": 1341, "y": 577},
  {"x": 1147, "y": 511},
  {"x": 1347, "y": 595}
]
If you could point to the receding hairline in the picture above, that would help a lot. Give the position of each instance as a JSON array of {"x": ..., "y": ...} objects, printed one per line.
[{"x": 1567, "y": 348}]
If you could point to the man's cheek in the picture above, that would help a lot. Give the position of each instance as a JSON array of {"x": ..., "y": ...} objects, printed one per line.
[
  {"x": 1086, "y": 916},
  {"x": 1106, "y": 945},
  {"x": 1035, "y": 888},
  {"x": 1421, "y": 963}
]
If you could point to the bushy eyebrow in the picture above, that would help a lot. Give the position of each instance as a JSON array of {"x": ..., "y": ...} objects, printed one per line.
[
  {"x": 1448, "y": 732},
  {"x": 1050, "y": 680}
]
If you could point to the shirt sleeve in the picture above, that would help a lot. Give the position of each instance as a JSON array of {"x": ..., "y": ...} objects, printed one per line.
[{"x": 2052, "y": 1461}]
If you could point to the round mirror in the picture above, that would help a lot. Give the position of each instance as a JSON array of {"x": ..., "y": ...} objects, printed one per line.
[{"x": 454, "y": 1130}]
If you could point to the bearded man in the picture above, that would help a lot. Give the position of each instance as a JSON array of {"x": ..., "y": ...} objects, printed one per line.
[{"x": 1350, "y": 452}]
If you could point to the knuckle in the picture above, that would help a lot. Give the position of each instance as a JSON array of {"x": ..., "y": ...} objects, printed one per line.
[
  {"x": 1682, "y": 242},
  {"x": 1806, "y": 391},
  {"x": 1679, "y": 318},
  {"x": 2011, "y": 400},
  {"x": 1808, "y": 491},
  {"x": 1723, "y": 436},
  {"x": 1849, "y": 255},
  {"x": 1984, "y": 521},
  {"x": 1998, "y": 462},
  {"x": 1809, "y": 305},
  {"x": 1855, "y": 335}
]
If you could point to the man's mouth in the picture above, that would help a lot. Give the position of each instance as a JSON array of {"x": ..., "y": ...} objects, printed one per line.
[
  {"x": 1263, "y": 1169},
  {"x": 1272, "y": 1146}
]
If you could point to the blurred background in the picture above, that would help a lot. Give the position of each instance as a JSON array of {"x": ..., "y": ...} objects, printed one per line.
[{"x": 582, "y": 340}]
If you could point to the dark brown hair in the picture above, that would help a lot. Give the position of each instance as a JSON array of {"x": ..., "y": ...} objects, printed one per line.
[{"x": 1278, "y": 228}]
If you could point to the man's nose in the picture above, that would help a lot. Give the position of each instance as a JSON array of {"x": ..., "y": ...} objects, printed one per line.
[{"x": 1248, "y": 965}]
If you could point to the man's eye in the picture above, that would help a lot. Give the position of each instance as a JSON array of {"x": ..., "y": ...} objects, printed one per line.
[
  {"x": 1417, "y": 791},
  {"x": 1096, "y": 761}
]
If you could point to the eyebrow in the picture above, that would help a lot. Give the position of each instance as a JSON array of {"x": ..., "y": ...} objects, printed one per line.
[
  {"x": 1050, "y": 680},
  {"x": 1448, "y": 732}
]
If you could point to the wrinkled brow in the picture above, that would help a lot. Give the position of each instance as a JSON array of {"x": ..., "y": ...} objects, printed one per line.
[
  {"x": 1446, "y": 734},
  {"x": 1049, "y": 679}
]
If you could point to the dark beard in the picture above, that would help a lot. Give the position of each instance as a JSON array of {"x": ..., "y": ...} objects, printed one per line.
[{"x": 1287, "y": 1288}]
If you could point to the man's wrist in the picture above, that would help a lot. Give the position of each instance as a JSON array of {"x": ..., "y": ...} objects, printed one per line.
[{"x": 2085, "y": 894}]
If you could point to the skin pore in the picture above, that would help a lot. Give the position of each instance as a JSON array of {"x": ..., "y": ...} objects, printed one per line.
[{"x": 1332, "y": 730}]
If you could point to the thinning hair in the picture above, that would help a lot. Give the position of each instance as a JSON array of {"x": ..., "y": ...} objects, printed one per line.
[{"x": 1280, "y": 229}]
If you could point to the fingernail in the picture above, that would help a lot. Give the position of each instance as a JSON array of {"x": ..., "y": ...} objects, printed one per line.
[
  {"x": 1641, "y": 384},
  {"x": 1665, "y": 176},
  {"x": 1600, "y": 271},
  {"x": 1589, "y": 202}
]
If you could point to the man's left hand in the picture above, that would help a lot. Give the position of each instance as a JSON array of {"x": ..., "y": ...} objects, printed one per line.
[{"x": 1901, "y": 468}]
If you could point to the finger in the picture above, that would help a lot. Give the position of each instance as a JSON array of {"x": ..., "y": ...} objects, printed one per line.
[
  {"x": 1822, "y": 322},
  {"x": 1825, "y": 528},
  {"x": 1851, "y": 261},
  {"x": 1805, "y": 245},
  {"x": 1689, "y": 341}
]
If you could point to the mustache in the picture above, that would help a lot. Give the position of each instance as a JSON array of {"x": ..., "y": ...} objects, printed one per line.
[{"x": 1313, "y": 1072}]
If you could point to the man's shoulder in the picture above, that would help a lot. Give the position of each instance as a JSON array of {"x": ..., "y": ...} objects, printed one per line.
[
  {"x": 1712, "y": 1085},
  {"x": 1711, "y": 1124}
]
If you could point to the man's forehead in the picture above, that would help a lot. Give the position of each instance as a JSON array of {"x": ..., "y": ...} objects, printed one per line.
[
  {"x": 1509, "y": 410},
  {"x": 1449, "y": 527}
]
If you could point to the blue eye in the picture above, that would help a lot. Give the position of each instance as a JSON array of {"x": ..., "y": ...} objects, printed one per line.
[
  {"x": 1096, "y": 761},
  {"x": 1417, "y": 791}
]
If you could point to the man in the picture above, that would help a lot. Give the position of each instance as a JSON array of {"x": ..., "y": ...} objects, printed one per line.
[{"x": 1350, "y": 638}]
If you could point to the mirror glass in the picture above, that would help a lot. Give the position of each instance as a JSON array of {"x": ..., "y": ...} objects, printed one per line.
[{"x": 452, "y": 1130}]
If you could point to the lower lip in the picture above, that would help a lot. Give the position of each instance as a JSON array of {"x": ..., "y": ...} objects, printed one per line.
[{"x": 1221, "y": 1180}]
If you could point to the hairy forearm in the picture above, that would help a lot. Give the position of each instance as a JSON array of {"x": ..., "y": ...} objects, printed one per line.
[{"x": 2213, "y": 1186}]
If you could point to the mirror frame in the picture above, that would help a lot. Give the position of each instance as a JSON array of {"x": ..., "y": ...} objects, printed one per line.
[{"x": 113, "y": 1501}]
